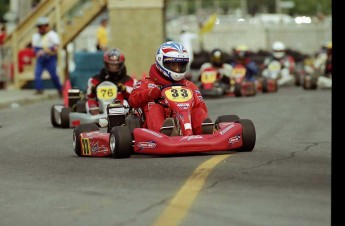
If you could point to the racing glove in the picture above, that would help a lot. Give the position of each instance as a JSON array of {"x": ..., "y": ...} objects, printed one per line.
[
  {"x": 121, "y": 87},
  {"x": 154, "y": 93}
]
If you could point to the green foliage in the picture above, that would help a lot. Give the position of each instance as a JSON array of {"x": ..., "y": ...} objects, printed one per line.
[
  {"x": 302, "y": 7},
  {"x": 4, "y": 7}
]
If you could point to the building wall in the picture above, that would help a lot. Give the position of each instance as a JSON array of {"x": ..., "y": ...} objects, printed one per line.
[{"x": 137, "y": 28}]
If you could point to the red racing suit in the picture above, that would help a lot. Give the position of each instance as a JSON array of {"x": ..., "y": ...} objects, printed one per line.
[
  {"x": 155, "y": 114},
  {"x": 124, "y": 82}
]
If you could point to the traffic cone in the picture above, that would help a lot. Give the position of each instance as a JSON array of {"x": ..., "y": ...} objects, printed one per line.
[{"x": 66, "y": 87}]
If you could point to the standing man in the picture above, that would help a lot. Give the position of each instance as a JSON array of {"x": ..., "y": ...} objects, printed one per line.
[
  {"x": 45, "y": 43},
  {"x": 102, "y": 36},
  {"x": 186, "y": 39}
]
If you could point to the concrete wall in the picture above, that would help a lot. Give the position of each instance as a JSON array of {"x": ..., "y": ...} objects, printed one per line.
[
  {"x": 306, "y": 38},
  {"x": 137, "y": 28}
]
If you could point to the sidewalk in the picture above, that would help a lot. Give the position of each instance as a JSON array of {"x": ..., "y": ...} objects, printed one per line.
[{"x": 17, "y": 97}]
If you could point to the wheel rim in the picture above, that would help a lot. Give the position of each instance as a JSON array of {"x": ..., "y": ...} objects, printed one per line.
[
  {"x": 74, "y": 140},
  {"x": 112, "y": 143}
]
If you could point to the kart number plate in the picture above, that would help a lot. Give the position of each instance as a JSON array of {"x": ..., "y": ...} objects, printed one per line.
[
  {"x": 274, "y": 66},
  {"x": 178, "y": 94},
  {"x": 208, "y": 77},
  {"x": 238, "y": 72},
  {"x": 106, "y": 92}
]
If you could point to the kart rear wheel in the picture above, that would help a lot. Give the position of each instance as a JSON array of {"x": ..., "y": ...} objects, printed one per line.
[
  {"x": 248, "y": 135},
  {"x": 55, "y": 115},
  {"x": 238, "y": 90},
  {"x": 251, "y": 89},
  {"x": 89, "y": 127},
  {"x": 65, "y": 117},
  {"x": 120, "y": 142},
  {"x": 310, "y": 82},
  {"x": 265, "y": 86}
]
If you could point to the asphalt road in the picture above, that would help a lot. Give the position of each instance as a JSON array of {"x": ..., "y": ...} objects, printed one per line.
[{"x": 284, "y": 181}]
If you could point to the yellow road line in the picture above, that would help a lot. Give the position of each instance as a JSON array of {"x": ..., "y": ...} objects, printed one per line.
[{"x": 182, "y": 201}]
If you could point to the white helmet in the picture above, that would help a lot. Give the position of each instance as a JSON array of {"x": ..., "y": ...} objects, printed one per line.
[
  {"x": 170, "y": 52},
  {"x": 278, "y": 49},
  {"x": 42, "y": 21}
]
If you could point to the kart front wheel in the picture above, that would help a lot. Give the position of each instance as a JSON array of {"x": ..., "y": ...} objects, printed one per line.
[
  {"x": 248, "y": 135},
  {"x": 65, "y": 117},
  {"x": 226, "y": 118},
  {"x": 89, "y": 127},
  {"x": 55, "y": 115},
  {"x": 120, "y": 142}
]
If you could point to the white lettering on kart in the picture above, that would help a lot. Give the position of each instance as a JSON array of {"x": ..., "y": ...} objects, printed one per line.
[
  {"x": 227, "y": 129},
  {"x": 95, "y": 148},
  {"x": 234, "y": 139},
  {"x": 149, "y": 144},
  {"x": 191, "y": 137},
  {"x": 152, "y": 132}
]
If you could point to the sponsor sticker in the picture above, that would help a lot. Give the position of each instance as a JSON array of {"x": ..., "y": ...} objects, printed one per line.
[
  {"x": 234, "y": 139},
  {"x": 146, "y": 145}
]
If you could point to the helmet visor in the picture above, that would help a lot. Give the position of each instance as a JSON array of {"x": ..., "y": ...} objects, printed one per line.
[
  {"x": 178, "y": 65},
  {"x": 114, "y": 67}
]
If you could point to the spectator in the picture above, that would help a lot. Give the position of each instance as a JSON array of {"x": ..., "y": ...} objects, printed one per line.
[
  {"x": 45, "y": 43},
  {"x": 102, "y": 36},
  {"x": 25, "y": 57},
  {"x": 3, "y": 34},
  {"x": 170, "y": 67},
  {"x": 115, "y": 71},
  {"x": 186, "y": 39}
]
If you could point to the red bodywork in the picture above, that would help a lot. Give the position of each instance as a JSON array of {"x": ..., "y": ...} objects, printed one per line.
[
  {"x": 228, "y": 137},
  {"x": 179, "y": 99}
]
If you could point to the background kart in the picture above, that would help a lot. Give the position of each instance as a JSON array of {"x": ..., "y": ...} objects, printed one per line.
[
  {"x": 210, "y": 84},
  {"x": 127, "y": 134},
  {"x": 275, "y": 71},
  {"x": 75, "y": 113},
  {"x": 239, "y": 85}
]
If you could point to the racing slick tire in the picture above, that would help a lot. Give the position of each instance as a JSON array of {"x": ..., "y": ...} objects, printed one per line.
[
  {"x": 310, "y": 82},
  {"x": 55, "y": 115},
  {"x": 238, "y": 90},
  {"x": 65, "y": 117},
  {"x": 250, "y": 89},
  {"x": 89, "y": 127},
  {"x": 248, "y": 135},
  {"x": 226, "y": 118},
  {"x": 120, "y": 142},
  {"x": 269, "y": 86}
]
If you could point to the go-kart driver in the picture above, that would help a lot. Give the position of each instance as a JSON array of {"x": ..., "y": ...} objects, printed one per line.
[
  {"x": 170, "y": 68},
  {"x": 217, "y": 61},
  {"x": 279, "y": 54},
  {"x": 115, "y": 71},
  {"x": 242, "y": 57}
]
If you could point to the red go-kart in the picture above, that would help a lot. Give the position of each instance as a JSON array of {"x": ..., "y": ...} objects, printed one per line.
[
  {"x": 127, "y": 133},
  {"x": 239, "y": 86}
]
